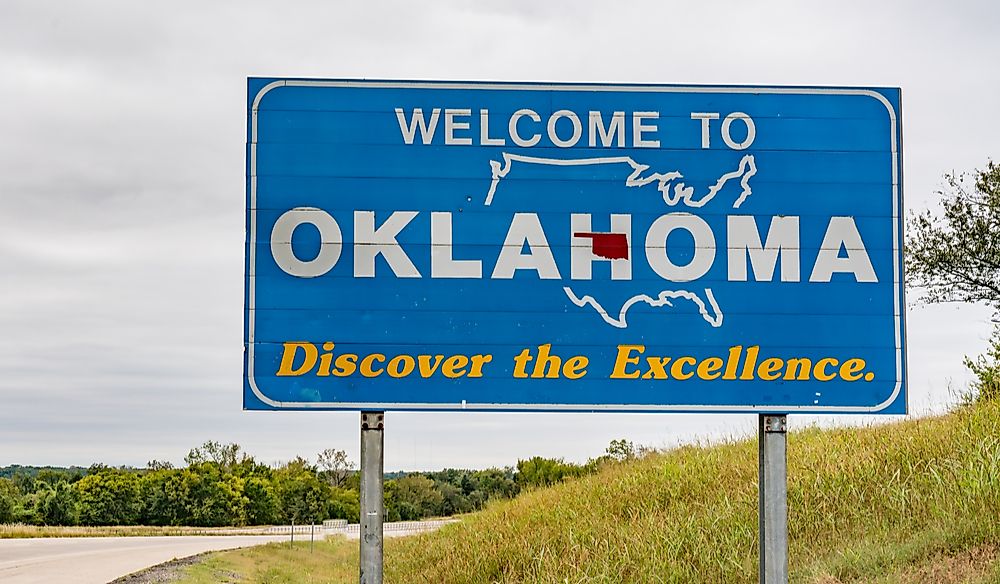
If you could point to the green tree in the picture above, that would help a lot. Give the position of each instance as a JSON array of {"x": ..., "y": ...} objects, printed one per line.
[
  {"x": 227, "y": 456},
  {"x": 986, "y": 369},
  {"x": 542, "y": 472},
  {"x": 24, "y": 482},
  {"x": 344, "y": 504},
  {"x": 303, "y": 497},
  {"x": 48, "y": 476},
  {"x": 497, "y": 483},
  {"x": 954, "y": 255},
  {"x": 453, "y": 500},
  {"x": 9, "y": 499},
  {"x": 57, "y": 505},
  {"x": 155, "y": 465},
  {"x": 334, "y": 467},
  {"x": 165, "y": 498},
  {"x": 214, "y": 498},
  {"x": 621, "y": 450},
  {"x": 263, "y": 505},
  {"x": 109, "y": 497},
  {"x": 416, "y": 496}
]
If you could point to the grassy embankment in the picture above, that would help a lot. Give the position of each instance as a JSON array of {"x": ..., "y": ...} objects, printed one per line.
[{"x": 911, "y": 502}]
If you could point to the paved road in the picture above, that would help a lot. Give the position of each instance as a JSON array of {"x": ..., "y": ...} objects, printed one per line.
[{"x": 98, "y": 560}]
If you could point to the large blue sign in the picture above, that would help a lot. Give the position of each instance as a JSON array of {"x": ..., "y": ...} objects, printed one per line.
[{"x": 492, "y": 246}]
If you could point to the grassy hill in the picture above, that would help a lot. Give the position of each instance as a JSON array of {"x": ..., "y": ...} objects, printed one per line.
[{"x": 916, "y": 501}]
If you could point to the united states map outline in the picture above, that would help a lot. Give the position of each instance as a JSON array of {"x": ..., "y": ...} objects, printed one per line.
[{"x": 673, "y": 191}]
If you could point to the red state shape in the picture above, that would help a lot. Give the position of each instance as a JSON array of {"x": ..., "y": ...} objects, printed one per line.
[{"x": 612, "y": 246}]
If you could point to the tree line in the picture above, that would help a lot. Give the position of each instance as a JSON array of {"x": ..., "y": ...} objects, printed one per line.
[{"x": 220, "y": 485}]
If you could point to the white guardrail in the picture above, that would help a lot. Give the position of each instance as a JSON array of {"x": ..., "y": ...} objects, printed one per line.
[{"x": 341, "y": 527}]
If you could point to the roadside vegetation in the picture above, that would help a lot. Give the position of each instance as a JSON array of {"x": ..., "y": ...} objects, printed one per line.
[
  {"x": 219, "y": 486},
  {"x": 223, "y": 486},
  {"x": 334, "y": 560},
  {"x": 914, "y": 501}
]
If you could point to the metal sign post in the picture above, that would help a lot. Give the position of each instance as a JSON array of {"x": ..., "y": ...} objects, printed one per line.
[
  {"x": 773, "y": 499},
  {"x": 372, "y": 465}
]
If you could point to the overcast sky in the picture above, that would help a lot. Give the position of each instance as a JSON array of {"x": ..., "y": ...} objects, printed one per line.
[{"x": 122, "y": 131}]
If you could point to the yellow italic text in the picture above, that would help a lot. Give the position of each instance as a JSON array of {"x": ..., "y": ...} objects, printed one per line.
[
  {"x": 304, "y": 358},
  {"x": 739, "y": 364}
]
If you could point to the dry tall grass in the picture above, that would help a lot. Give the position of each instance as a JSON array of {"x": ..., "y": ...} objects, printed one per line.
[{"x": 862, "y": 502}]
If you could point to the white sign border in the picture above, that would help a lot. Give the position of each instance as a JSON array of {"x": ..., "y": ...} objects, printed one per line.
[{"x": 251, "y": 292}]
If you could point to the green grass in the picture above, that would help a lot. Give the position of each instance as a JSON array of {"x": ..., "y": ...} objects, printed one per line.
[
  {"x": 916, "y": 501},
  {"x": 333, "y": 560}
]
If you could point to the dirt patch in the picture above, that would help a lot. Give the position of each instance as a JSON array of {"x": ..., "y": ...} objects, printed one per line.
[
  {"x": 171, "y": 571},
  {"x": 953, "y": 569},
  {"x": 942, "y": 569}
]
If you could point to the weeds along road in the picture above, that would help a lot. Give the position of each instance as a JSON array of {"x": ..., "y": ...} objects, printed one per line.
[{"x": 98, "y": 560}]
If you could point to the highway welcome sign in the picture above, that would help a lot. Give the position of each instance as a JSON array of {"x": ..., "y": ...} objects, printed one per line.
[{"x": 416, "y": 245}]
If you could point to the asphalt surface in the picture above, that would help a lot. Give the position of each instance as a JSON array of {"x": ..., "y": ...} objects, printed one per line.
[{"x": 98, "y": 560}]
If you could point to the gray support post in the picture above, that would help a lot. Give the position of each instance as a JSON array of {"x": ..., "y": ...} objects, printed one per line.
[
  {"x": 773, "y": 499},
  {"x": 372, "y": 426}
]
